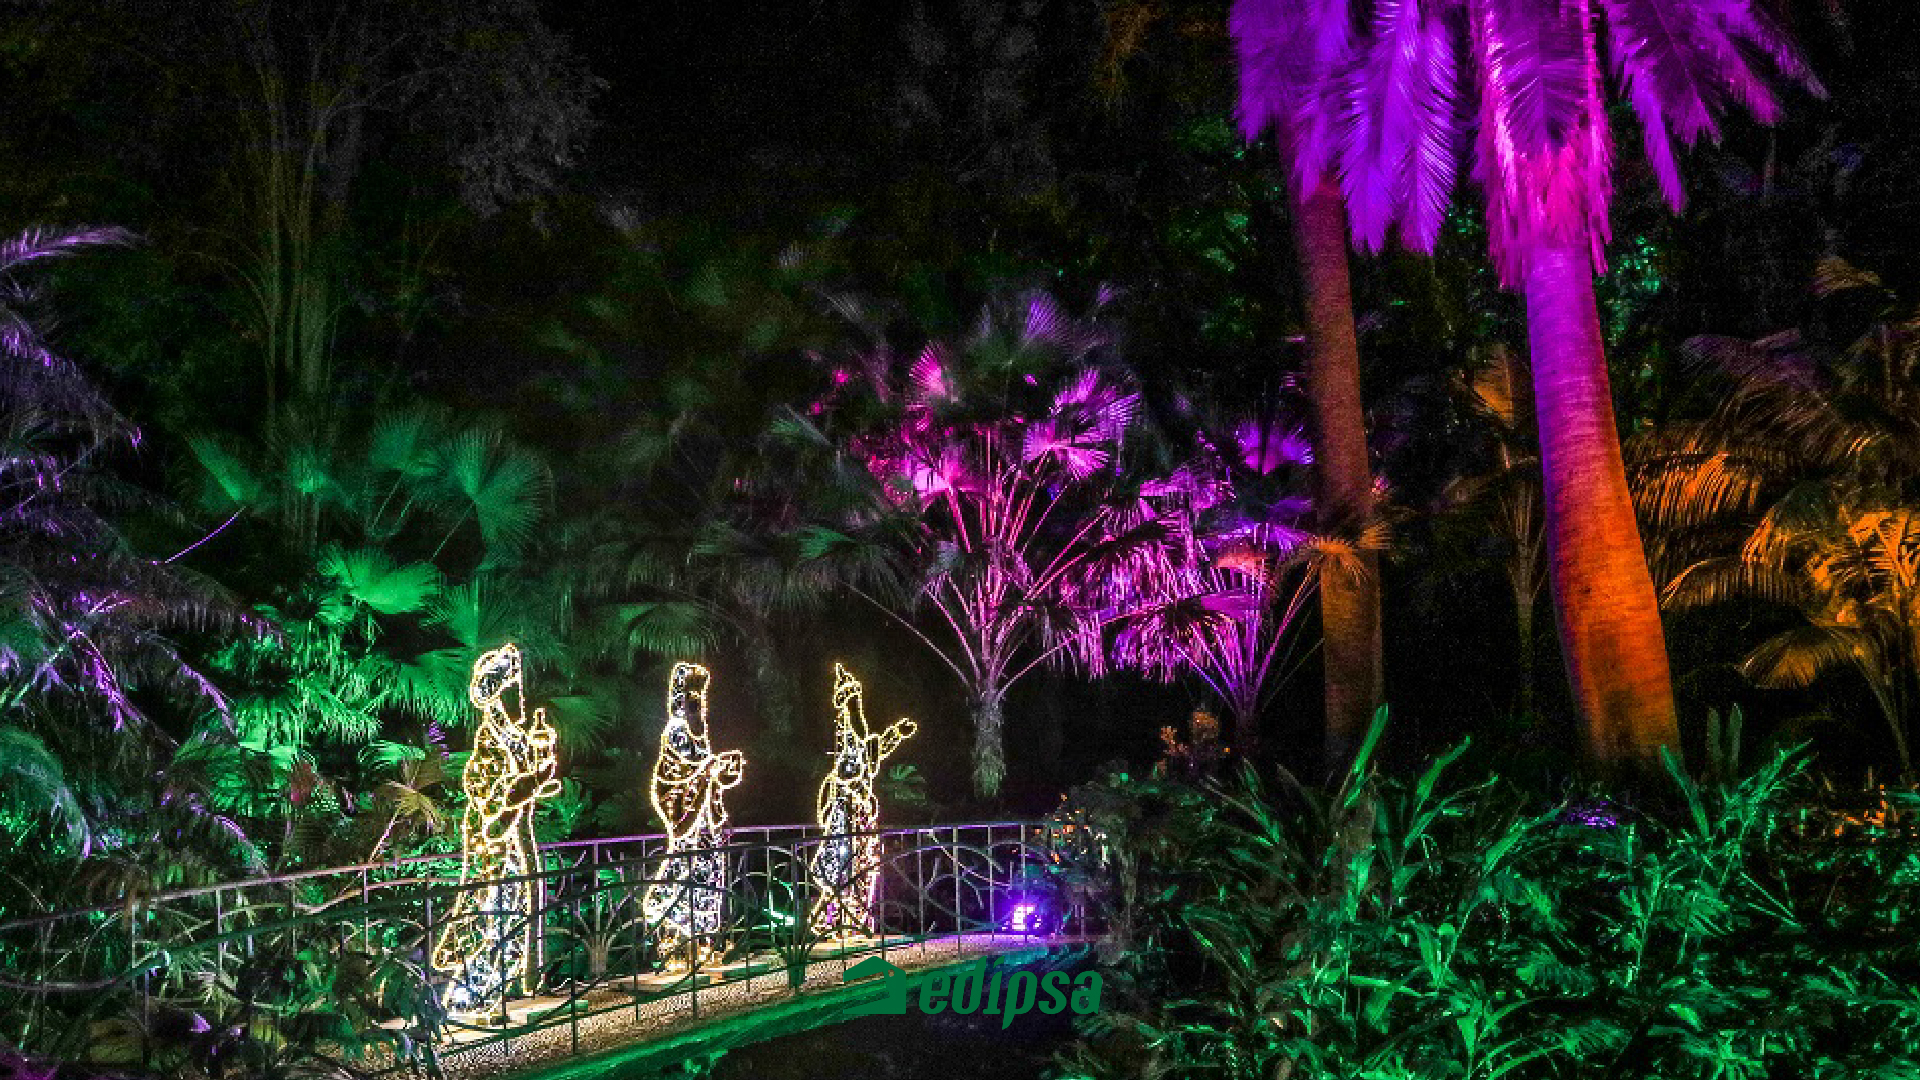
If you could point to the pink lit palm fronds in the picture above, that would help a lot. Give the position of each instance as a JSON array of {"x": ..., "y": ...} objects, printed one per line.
[
  {"x": 1006, "y": 452},
  {"x": 1234, "y": 591},
  {"x": 1375, "y": 90}
]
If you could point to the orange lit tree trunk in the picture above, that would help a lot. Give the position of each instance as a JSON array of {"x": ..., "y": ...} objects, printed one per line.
[
  {"x": 1609, "y": 617},
  {"x": 1349, "y": 595}
]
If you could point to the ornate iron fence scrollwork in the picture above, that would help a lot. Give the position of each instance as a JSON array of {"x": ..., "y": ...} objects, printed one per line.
[{"x": 337, "y": 963}]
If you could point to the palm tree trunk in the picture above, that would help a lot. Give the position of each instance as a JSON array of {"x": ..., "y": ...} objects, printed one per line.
[
  {"x": 989, "y": 749},
  {"x": 1349, "y": 601},
  {"x": 1246, "y": 732},
  {"x": 1608, "y": 614}
]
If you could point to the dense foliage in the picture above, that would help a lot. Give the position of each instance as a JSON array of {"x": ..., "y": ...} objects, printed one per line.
[
  {"x": 974, "y": 347},
  {"x": 1433, "y": 928}
]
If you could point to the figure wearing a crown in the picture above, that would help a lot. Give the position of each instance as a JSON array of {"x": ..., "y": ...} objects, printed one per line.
[{"x": 847, "y": 867}]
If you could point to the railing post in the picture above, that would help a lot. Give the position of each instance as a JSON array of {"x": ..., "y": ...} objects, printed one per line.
[
  {"x": 1023, "y": 866},
  {"x": 959, "y": 921},
  {"x": 993, "y": 893},
  {"x": 219, "y": 931},
  {"x": 574, "y": 997},
  {"x": 537, "y": 933}
]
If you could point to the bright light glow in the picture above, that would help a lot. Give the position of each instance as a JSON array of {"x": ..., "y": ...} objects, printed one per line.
[
  {"x": 689, "y": 793},
  {"x": 488, "y": 939},
  {"x": 1025, "y": 918},
  {"x": 847, "y": 869}
]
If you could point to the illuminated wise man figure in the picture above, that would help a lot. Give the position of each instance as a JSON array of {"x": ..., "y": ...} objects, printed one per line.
[
  {"x": 689, "y": 794},
  {"x": 846, "y": 868},
  {"x": 489, "y": 935}
]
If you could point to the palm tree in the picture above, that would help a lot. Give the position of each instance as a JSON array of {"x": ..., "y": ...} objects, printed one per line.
[
  {"x": 1292, "y": 56},
  {"x": 86, "y": 623},
  {"x": 1804, "y": 487},
  {"x": 1001, "y": 456},
  {"x": 1503, "y": 496},
  {"x": 1543, "y": 156},
  {"x": 1230, "y": 599}
]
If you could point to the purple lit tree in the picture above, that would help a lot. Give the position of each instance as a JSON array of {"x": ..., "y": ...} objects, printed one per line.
[
  {"x": 87, "y": 624},
  {"x": 1381, "y": 111},
  {"x": 1003, "y": 454},
  {"x": 1294, "y": 58},
  {"x": 1227, "y": 604}
]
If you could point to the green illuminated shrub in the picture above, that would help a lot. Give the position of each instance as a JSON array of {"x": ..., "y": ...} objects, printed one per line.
[{"x": 1426, "y": 930}]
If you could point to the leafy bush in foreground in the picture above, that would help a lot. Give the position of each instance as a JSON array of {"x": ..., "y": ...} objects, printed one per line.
[{"x": 1411, "y": 930}]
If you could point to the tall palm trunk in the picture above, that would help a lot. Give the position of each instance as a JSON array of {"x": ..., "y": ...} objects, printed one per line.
[
  {"x": 1609, "y": 617},
  {"x": 1349, "y": 599}
]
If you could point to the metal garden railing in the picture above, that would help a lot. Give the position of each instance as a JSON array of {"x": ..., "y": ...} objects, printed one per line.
[{"x": 333, "y": 964}]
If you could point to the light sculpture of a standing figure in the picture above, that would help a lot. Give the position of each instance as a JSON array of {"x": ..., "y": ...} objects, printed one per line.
[
  {"x": 689, "y": 793},
  {"x": 487, "y": 941},
  {"x": 846, "y": 866}
]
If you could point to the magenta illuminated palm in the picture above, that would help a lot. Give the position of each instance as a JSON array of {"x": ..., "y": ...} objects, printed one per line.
[
  {"x": 1005, "y": 455},
  {"x": 1543, "y": 155},
  {"x": 1296, "y": 59},
  {"x": 1226, "y": 606}
]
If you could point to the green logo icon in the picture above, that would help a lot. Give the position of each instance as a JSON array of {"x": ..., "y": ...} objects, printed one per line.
[
  {"x": 973, "y": 989},
  {"x": 891, "y": 1003}
]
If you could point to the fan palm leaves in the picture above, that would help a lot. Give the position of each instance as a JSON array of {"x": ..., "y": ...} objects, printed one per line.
[
  {"x": 499, "y": 486},
  {"x": 1000, "y": 455},
  {"x": 1248, "y": 566},
  {"x": 1803, "y": 488},
  {"x": 374, "y": 578}
]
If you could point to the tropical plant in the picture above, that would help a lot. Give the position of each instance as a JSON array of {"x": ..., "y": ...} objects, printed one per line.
[
  {"x": 1428, "y": 929},
  {"x": 1294, "y": 58},
  {"x": 87, "y": 624},
  {"x": 1225, "y": 609},
  {"x": 1803, "y": 487},
  {"x": 1003, "y": 455},
  {"x": 1500, "y": 496},
  {"x": 1543, "y": 155},
  {"x": 414, "y": 545},
  {"x": 696, "y": 549}
]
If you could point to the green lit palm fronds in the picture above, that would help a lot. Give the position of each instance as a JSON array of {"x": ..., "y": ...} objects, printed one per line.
[
  {"x": 500, "y": 487},
  {"x": 372, "y": 577},
  {"x": 409, "y": 530},
  {"x": 36, "y": 788}
]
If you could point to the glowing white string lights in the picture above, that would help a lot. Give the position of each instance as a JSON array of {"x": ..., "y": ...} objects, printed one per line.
[
  {"x": 689, "y": 793},
  {"x": 847, "y": 868},
  {"x": 488, "y": 938}
]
